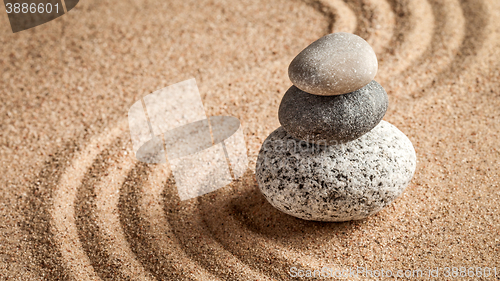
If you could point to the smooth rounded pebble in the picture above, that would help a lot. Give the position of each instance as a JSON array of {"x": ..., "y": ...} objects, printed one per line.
[
  {"x": 335, "y": 64},
  {"x": 335, "y": 183},
  {"x": 331, "y": 120}
]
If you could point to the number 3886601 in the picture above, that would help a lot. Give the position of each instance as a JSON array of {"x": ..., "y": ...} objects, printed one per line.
[{"x": 33, "y": 8}]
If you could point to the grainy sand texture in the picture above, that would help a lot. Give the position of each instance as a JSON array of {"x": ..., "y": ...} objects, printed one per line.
[{"x": 76, "y": 205}]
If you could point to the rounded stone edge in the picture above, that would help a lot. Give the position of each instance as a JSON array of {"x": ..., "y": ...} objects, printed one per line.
[
  {"x": 413, "y": 161},
  {"x": 318, "y": 139},
  {"x": 296, "y": 66}
]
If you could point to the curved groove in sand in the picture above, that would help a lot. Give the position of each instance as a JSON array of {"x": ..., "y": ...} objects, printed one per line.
[
  {"x": 87, "y": 223},
  {"x": 107, "y": 216},
  {"x": 246, "y": 239},
  {"x": 94, "y": 223},
  {"x": 448, "y": 38},
  {"x": 382, "y": 24},
  {"x": 48, "y": 260},
  {"x": 475, "y": 29},
  {"x": 63, "y": 211},
  {"x": 164, "y": 255},
  {"x": 198, "y": 243},
  {"x": 341, "y": 17},
  {"x": 413, "y": 37},
  {"x": 345, "y": 19}
]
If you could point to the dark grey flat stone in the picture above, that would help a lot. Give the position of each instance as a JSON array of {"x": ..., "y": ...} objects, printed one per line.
[{"x": 330, "y": 120}]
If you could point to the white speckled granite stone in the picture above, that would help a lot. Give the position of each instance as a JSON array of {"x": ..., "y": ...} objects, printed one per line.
[
  {"x": 335, "y": 64},
  {"x": 335, "y": 183},
  {"x": 334, "y": 119}
]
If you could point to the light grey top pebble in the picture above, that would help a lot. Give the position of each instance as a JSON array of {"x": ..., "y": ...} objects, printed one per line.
[{"x": 335, "y": 64}]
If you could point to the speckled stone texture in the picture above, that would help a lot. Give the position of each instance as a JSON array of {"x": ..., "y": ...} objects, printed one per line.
[
  {"x": 335, "y": 183},
  {"x": 335, "y": 64},
  {"x": 331, "y": 120}
]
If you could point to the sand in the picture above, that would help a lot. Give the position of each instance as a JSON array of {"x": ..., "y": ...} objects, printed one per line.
[{"x": 76, "y": 205}]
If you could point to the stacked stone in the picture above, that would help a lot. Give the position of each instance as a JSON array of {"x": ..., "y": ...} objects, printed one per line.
[{"x": 333, "y": 159}]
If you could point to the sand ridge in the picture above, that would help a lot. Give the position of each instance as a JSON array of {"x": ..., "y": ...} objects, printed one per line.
[{"x": 76, "y": 205}]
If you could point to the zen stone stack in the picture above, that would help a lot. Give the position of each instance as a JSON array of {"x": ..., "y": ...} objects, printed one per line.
[{"x": 333, "y": 159}]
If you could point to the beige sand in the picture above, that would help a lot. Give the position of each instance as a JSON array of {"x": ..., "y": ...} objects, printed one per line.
[{"x": 75, "y": 205}]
